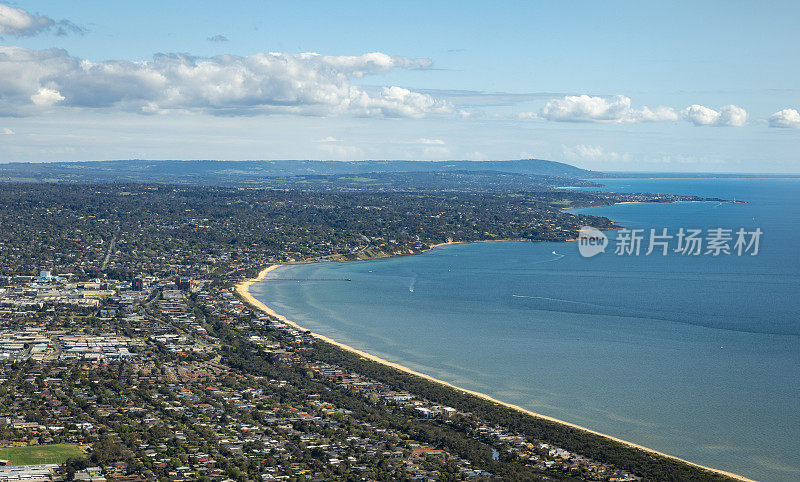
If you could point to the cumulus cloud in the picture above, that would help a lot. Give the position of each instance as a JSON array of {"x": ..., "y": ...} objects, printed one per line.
[
  {"x": 399, "y": 102},
  {"x": 46, "y": 97},
  {"x": 585, "y": 108},
  {"x": 585, "y": 152},
  {"x": 263, "y": 83},
  {"x": 729, "y": 115},
  {"x": 786, "y": 118},
  {"x": 618, "y": 109},
  {"x": 217, "y": 38},
  {"x": 701, "y": 115},
  {"x": 20, "y": 23},
  {"x": 16, "y": 21}
]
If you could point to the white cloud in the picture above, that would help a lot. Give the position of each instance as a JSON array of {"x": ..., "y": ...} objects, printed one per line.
[
  {"x": 339, "y": 152},
  {"x": 399, "y": 102},
  {"x": 659, "y": 114},
  {"x": 732, "y": 115},
  {"x": 435, "y": 153},
  {"x": 585, "y": 152},
  {"x": 6, "y": 131},
  {"x": 618, "y": 109},
  {"x": 431, "y": 142},
  {"x": 375, "y": 62},
  {"x": 20, "y": 23},
  {"x": 46, "y": 97},
  {"x": 329, "y": 139},
  {"x": 700, "y": 115},
  {"x": 585, "y": 108},
  {"x": 729, "y": 115},
  {"x": 786, "y": 118},
  {"x": 16, "y": 21},
  {"x": 597, "y": 157},
  {"x": 263, "y": 83}
]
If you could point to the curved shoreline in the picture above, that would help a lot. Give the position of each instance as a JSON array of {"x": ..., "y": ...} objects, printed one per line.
[{"x": 243, "y": 289}]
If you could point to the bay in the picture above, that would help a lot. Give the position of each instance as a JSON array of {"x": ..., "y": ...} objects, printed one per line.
[{"x": 695, "y": 356}]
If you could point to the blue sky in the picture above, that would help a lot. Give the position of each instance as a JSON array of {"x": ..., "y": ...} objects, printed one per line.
[{"x": 680, "y": 86}]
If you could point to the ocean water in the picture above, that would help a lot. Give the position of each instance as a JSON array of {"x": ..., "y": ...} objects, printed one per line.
[{"x": 696, "y": 356}]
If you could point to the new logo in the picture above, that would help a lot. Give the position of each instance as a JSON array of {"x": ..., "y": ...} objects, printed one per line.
[{"x": 591, "y": 241}]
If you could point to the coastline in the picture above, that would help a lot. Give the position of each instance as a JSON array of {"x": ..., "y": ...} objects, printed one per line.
[
  {"x": 668, "y": 202},
  {"x": 242, "y": 289},
  {"x": 572, "y": 208}
]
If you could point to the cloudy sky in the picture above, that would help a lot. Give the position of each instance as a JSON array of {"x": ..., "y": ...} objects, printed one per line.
[{"x": 667, "y": 86}]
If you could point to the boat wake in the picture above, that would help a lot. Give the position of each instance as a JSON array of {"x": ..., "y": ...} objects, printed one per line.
[
  {"x": 556, "y": 257},
  {"x": 545, "y": 298}
]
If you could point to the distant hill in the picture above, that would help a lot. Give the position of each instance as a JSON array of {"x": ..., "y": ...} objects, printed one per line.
[
  {"x": 419, "y": 181},
  {"x": 256, "y": 173}
]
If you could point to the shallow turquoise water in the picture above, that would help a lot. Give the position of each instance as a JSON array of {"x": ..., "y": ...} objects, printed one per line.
[{"x": 630, "y": 346}]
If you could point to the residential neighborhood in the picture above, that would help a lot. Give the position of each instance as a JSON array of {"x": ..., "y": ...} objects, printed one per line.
[{"x": 139, "y": 382}]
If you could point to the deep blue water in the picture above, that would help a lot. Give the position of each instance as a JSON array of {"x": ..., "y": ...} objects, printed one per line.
[{"x": 698, "y": 357}]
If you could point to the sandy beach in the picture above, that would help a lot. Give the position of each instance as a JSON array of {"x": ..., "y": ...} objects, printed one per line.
[
  {"x": 670, "y": 202},
  {"x": 243, "y": 290}
]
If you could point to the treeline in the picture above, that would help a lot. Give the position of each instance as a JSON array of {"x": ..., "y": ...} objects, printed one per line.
[
  {"x": 642, "y": 463},
  {"x": 247, "y": 357}
]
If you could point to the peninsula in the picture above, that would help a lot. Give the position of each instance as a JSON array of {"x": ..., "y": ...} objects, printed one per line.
[{"x": 120, "y": 318}]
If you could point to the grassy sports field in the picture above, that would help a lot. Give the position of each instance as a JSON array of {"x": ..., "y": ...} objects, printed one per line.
[{"x": 40, "y": 454}]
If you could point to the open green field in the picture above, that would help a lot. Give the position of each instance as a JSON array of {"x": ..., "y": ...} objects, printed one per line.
[{"x": 40, "y": 454}]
